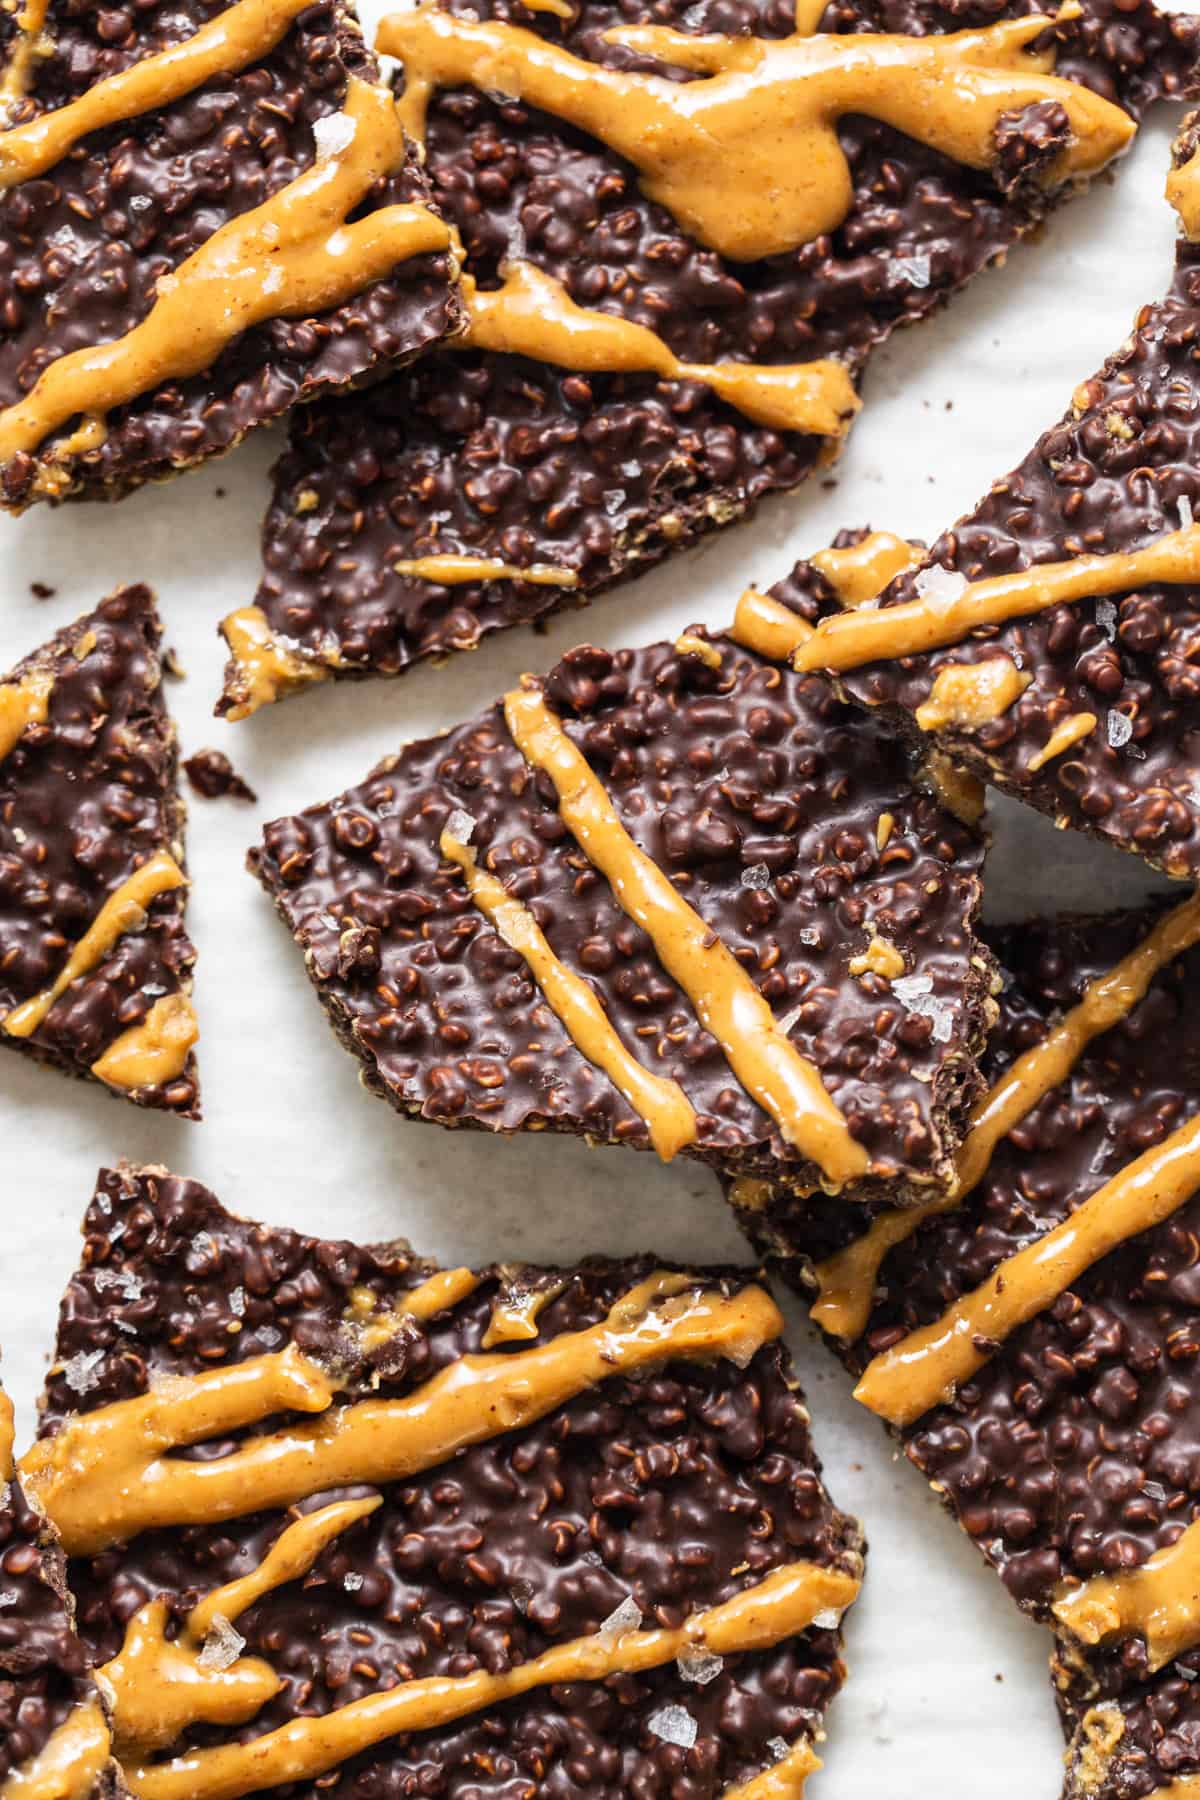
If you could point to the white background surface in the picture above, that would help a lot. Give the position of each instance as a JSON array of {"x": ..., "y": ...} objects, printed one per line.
[{"x": 948, "y": 1696}]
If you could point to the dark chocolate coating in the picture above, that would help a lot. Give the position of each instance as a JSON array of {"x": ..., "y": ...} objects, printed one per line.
[
  {"x": 44, "y": 1671},
  {"x": 1111, "y": 476},
  {"x": 1075, "y": 1451},
  {"x": 605, "y": 475},
  {"x": 82, "y": 246},
  {"x": 759, "y": 793},
  {"x": 678, "y": 1488},
  {"x": 84, "y": 800},
  {"x": 213, "y": 776}
]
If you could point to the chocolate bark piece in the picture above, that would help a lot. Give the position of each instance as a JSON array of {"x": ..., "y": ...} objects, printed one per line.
[
  {"x": 537, "y": 1559},
  {"x": 95, "y": 962},
  {"x": 583, "y": 464},
  {"x": 51, "y": 1712},
  {"x": 470, "y": 949},
  {"x": 133, "y": 226},
  {"x": 213, "y": 776},
  {"x": 1067, "y": 1447},
  {"x": 1088, "y": 708}
]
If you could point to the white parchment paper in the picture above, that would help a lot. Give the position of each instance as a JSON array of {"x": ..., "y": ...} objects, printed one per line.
[{"x": 948, "y": 1696}]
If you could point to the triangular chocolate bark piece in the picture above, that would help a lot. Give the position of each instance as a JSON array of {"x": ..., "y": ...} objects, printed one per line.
[{"x": 95, "y": 962}]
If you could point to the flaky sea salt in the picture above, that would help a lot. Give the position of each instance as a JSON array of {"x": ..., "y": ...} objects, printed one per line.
[
  {"x": 352, "y": 1582},
  {"x": 779, "y": 1748},
  {"x": 223, "y": 1645},
  {"x": 756, "y": 875},
  {"x": 674, "y": 1725},
  {"x": 915, "y": 270},
  {"x": 1119, "y": 728},
  {"x": 916, "y": 993},
  {"x": 810, "y": 935},
  {"x": 333, "y": 134},
  {"x": 1106, "y": 618},
  {"x": 9, "y": 1596},
  {"x": 699, "y": 1665},
  {"x": 614, "y": 499},
  {"x": 80, "y": 1372},
  {"x": 1186, "y": 519},
  {"x": 829, "y": 1620},
  {"x": 124, "y": 1281},
  {"x": 460, "y": 825},
  {"x": 938, "y": 585},
  {"x": 623, "y": 1618},
  {"x": 237, "y": 1302}
]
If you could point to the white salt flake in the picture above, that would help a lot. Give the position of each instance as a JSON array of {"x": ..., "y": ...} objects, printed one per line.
[
  {"x": 140, "y": 203},
  {"x": 124, "y": 1281},
  {"x": 779, "y": 1748},
  {"x": 614, "y": 499},
  {"x": 789, "y": 1018},
  {"x": 223, "y": 1645},
  {"x": 674, "y": 1725},
  {"x": 1119, "y": 728},
  {"x": 333, "y": 134},
  {"x": 756, "y": 875},
  {"x": 237, "y": 1302},
  {"x": 915, "y": 270},
  {"x": 80, "y": 1372},
  {"x": 626, "y": 1617},
  {"x": 352, "y": 1582},
  {"x": 829, "y": 1620},
  {"x": 810, "y": 935},
  {"x": 940, "y": 586},
  {"x": 916, "y": 993},
  {"x": 1106, "y": 618},
  {"x": 699, "y": 1665},
  {"x": 9, "y": 1596},
  {"x": 460, "y": 825},
  {"x": 1186, "y": 519},
  {"x": 270, "y": 1337}
]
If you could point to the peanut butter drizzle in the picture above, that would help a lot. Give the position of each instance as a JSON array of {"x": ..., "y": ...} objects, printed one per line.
[
  {"x": 1184, "y": 1787},
  {"x": 231, "y": 41},
  {"x": 69, "y": 1764},
  {"x": 375, "y": 1324},
  {"x": 660, "y": 1102},
  {"x": 23, "y": 703},
  {"x": 726, "y": 1000},
  {"x": 6, "y": 1437},
  {"x": 846, "y": 1282},
  {"x": 107, "y": 1475},
  {"x": 26, "y": 48},
  {"x": 532, "y": 314},
  {"x": 691, "y": 645},
  {"x": 162, "y": 1685},
  {"x": 780, "y": 1606},
  {"x": 1158, "y": 1601},
  {"x": 970, "y": 694},
  {"x": 452, "y": 570},
  {"x": 748, "y": 160},
  {"x": 785, "y": 1780},
  {"x": 123, "y": 911},
  {"x": 924, "y": 1368},
  {"x": 295, "y": 254},
  {"x": 879, "y": 958},
  {"x": 154, "y": 1051},
  {"x": 861, "y": 571},
  {"x": 516, "y": 1312},
  {"x": 931, "y": 622},
  {"x": 768, "y": 627},
  {"x": 1072, "y": 731},
  {"x": 268, "y": 668},
  {"x": 1183, "y": 193}
]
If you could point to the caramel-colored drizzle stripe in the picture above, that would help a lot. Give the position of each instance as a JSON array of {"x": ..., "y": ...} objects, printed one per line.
[
  {"x": 1184, "y": 1787},
  {"x": 1072, "y": 731},
  {"x": 659, "y": 1102},
  {"x": 1159, "y": 1601},
  {"x": 153, "y": 1051},
  {"x": 780, "y": 1606},
  {"x": 931, "y": 622},
  {"x": 452, "y": 570},
  {"x": 228, "y": 43},
  {"x": 123, "y": 911},
  {"x": 23, "y": 703},
  {"x": 267, "y": 667},
  {"x": 924, "y": 1368},
  {"x": 726, "y": 1000},
  {"x": 785, "y": 1780},
  {"x": 295, "y": 254},
  {"x": 107, "y": 1475},
  {"x": 857, "y": 574},
  {"x": 70, "y": 1763},
  {"x": 768, "y": 627},
  {"x": 1183, "y": 193},
  {"x": 24, "y": 50},
  {"x": 6, "y": 1437},
  {"x": 748, "y": 159},
  {"x": 972, "y": 694},
  {"x": 532, "y": 314},
  {"x": 846, "y": 1282}
]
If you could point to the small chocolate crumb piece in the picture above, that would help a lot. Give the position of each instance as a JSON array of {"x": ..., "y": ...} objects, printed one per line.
[
  {"x": 95, "y": 962},
  {"x": 594, "y": 473},
  {"x": 1100, "y": 726},
  {"x": 48, "y": 1699},
  {"x": 213, "y": 775},
  {"x": 1067, "y": 1444},
  {"x": 104, "y": 234},
  {"x": 537, "y": 1439},
  {"x": 41, "y": 590},
  {"x": 781, "y": 817}
]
